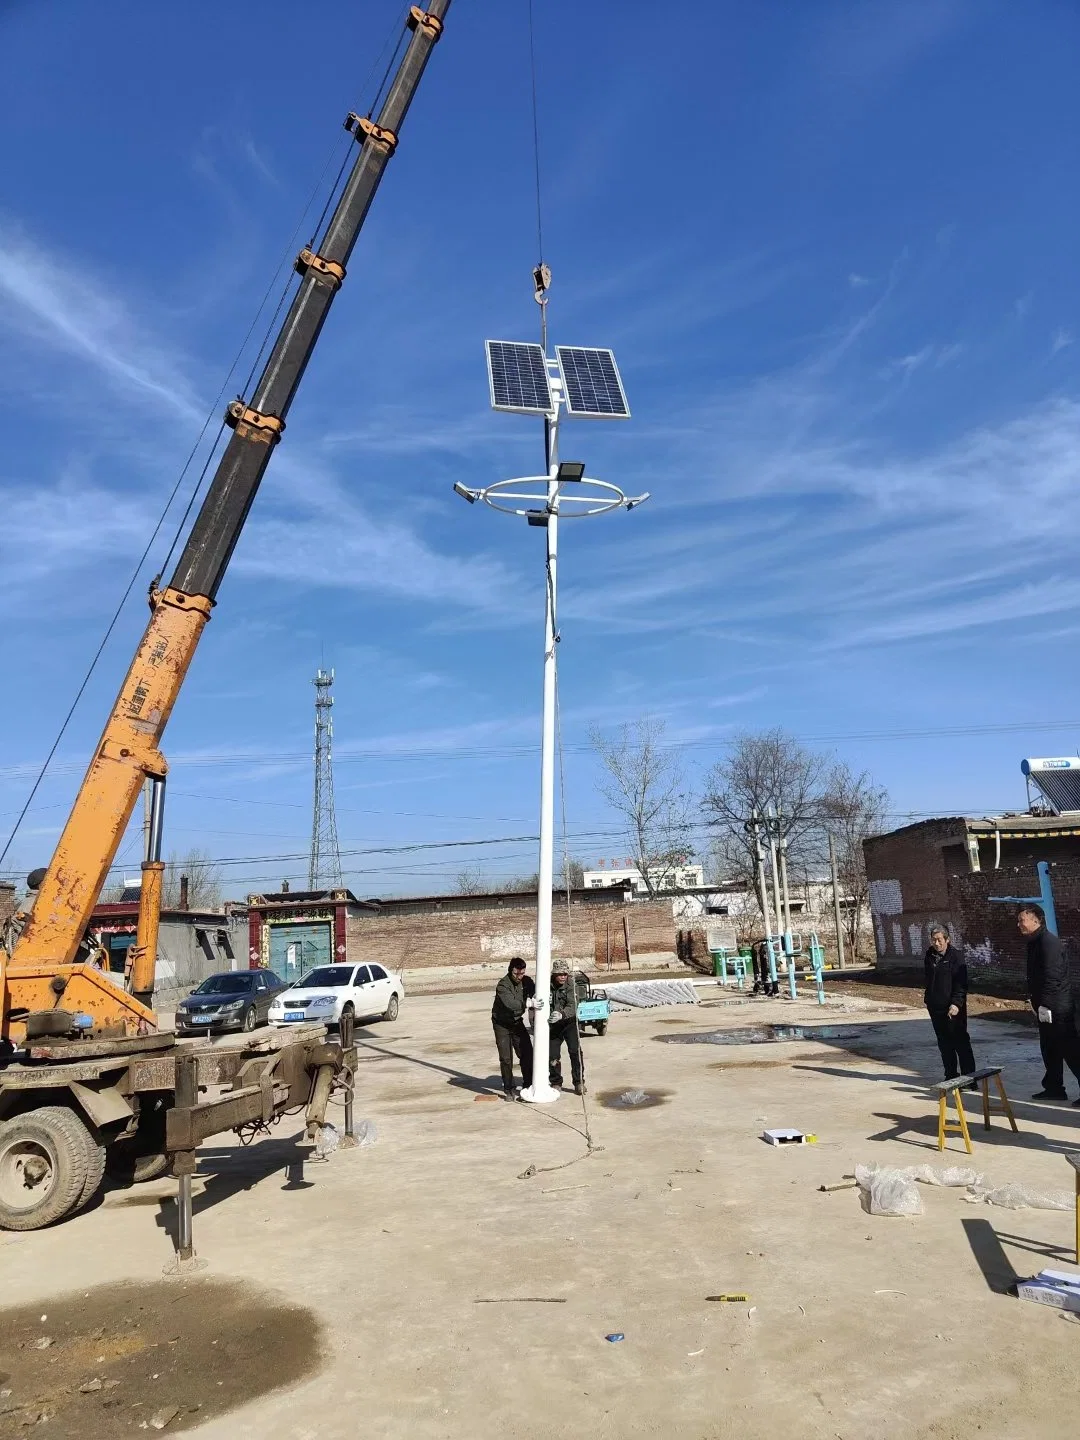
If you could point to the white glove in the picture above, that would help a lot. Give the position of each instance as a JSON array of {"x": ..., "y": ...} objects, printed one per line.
[
  {"x": 555, "y": 1015},
  {"x": 1045, "y": 1016}
]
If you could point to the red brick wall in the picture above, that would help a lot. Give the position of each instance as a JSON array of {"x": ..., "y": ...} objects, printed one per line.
[
  {"x": 909, "y": 872},
  {"x": 921, "y": 874},
  {"x": 994, "y": 949},
  {"x": 413, "y": 940}
]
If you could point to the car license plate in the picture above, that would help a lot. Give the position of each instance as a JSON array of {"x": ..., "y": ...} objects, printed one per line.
[
  {"x": 202, "y": 1019},
  {"x": 294, "y": 1014}
]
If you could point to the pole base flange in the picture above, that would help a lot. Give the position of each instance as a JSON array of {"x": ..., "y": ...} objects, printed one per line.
[{"x": 539, "y": 1094}]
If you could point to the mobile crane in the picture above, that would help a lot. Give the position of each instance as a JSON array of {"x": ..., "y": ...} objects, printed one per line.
[{"x": 87, "y": 1071}]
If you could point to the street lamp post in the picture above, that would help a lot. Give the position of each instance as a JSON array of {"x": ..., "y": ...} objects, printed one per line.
[{"x": 565, "y": 492}]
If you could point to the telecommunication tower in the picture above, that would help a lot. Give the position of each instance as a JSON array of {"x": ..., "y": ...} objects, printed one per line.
[{"x": 324, "y": 868}]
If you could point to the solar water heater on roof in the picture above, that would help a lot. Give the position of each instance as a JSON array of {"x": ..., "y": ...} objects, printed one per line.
[{"x": 1059, "y": 781}]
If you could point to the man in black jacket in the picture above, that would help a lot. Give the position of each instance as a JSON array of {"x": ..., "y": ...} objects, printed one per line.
[
  {"x": 1051, "y": 999},
  {"x": 945, "y": 997},
  {"x": 512, "y": 996}
]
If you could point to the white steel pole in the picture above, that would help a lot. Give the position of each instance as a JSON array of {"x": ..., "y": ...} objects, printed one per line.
[
  {"x": 541, "y": 1091},
  {"x": 777, "y": 903}
]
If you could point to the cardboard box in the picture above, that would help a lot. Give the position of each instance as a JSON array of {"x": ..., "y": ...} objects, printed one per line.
[
  {"x": 785, "y": 1136},
  {"x": 1052, "y": 1287}
]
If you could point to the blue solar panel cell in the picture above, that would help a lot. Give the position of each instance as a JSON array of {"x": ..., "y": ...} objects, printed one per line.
[
  {"x": 518, "y": 377},
  {"x": 592, "y": 384}
]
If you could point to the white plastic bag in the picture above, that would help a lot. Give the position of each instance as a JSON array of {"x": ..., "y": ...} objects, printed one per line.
[
  {"x": 891, "y": 1191},
  {"x": 365, "y": 1133},
  {"x": 956, "y": 1176},
  {"x": 327, "y": 1141},
  {"x": 1018, "y": 1196}
]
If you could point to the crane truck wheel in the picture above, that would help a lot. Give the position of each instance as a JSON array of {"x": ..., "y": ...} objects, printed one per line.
[
  {"x": 142, "y": 1156},
  {"x": 44, "y": 1163},
  {"x": 95, "y": 1171}
]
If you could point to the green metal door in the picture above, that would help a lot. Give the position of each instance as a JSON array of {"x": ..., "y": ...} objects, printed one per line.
[{"x": 296, "y": 949}]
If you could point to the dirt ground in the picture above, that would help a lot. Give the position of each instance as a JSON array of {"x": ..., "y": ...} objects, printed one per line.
[
  {"x": 458, "y": 1278},
  {"x": 905, "y": 988}
]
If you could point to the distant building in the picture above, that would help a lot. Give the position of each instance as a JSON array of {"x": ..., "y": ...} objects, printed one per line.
[
  {"x": 293, "y": 930},
  {"x": 682, "y": 876},
  {"x": 192, "y": 944},
  {"x": 7, "y": 900}
]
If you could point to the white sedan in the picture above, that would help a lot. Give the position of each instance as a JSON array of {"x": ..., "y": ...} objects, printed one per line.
[{"x": 329, "y": 991}]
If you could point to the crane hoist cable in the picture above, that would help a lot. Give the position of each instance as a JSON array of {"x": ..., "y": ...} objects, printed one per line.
[{"x": 536, "y": 136}]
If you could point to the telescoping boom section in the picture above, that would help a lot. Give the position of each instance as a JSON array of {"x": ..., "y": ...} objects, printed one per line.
[{"x": 43, "y": 970}]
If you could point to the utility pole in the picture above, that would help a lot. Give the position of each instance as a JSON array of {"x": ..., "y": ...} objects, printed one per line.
[
  {"x": 836, "y": 902},
  {"x": 324, "y": 867}
]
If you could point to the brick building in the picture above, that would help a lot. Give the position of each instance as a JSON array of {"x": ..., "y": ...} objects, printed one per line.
[
  {"x": 993, "y": 947},
  {"x": 192, "y": 944},
  {"x": 919, "y": 874},
  {"x": 7, "y": 900},
  {"x": 291, "y": 931}
]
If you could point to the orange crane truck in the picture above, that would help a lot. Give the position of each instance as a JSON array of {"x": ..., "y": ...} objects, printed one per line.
[{"x": 86, "y": 1076}]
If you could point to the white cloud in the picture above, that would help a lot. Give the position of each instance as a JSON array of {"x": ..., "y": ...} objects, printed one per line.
[
  {"x": 1062, "y": 340},
  {"x": 857, "y": 282},
  {"x": 52, "y": 303}
]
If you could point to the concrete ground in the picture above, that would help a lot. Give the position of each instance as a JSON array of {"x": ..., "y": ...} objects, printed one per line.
[{"x": 458, "y": 1278}]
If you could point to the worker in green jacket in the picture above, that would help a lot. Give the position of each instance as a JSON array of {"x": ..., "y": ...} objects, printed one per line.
[
  {"x": 513, "y": 1000},
  {"x": 562, "y": 1018}
]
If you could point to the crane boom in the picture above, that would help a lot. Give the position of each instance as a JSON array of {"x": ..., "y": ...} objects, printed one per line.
[{"x": 41, "y": 968}]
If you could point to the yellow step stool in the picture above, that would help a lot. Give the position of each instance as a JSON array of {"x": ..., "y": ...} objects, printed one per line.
[{"x": 981, "y": 1077}]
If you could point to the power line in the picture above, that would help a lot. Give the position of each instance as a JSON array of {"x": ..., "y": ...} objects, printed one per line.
[{"x": 513, "y": 752}]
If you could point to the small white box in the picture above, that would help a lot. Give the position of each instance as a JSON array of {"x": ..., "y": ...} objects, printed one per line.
[
  {"x": 784, "y": 1136},
  {"x": 1052, "y": 1287}
]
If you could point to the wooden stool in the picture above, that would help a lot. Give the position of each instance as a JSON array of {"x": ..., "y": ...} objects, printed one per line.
[
  {"x": 1074, "y": 1161},
  {"x": 982, "y": 1076}
]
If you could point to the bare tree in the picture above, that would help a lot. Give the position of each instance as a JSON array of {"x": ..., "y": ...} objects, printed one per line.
[
  {"x": 203, "y": 877},
  {"x": 766, "y": 771},
  {"x": 470, "y": 881},
  {"x": 854, "y": 808},
  {"x": 572, "y": 874},
  {"x": 643, "y": 782},
  {"x": 521, "y": 884}
]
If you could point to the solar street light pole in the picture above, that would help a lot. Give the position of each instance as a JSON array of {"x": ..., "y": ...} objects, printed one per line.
[{"x": 585, "y": 383}]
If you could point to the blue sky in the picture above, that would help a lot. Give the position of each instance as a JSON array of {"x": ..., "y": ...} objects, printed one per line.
[{"x": 834, "y": 247}]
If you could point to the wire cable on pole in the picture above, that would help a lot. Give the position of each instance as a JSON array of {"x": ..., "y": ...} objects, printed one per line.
[{"x": 536, "y": 135}]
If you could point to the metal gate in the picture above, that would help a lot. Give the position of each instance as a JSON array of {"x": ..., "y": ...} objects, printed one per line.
[{"x": 296, "y": 949}]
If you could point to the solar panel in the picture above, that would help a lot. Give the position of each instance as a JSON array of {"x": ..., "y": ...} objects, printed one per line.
[
  {"x": 518, "y": 377},
  {"x": 592, "y": 384}
]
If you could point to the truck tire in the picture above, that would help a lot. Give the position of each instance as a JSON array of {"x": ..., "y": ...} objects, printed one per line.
[
  {"x": 601, "y": 1027},
  {"x": 95, "y": 1171},
  {"x": 44, "y": 1160},
  {"x": 142, "y": 1156}
]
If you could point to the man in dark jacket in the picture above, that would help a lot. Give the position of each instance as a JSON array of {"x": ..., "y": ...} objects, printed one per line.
[
  {"x": 945, "y": 997},
  {"x": 564, "y": 1027},
  {"x": 1051, "y": 999},
  {"x": 512, "y": 996}
]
